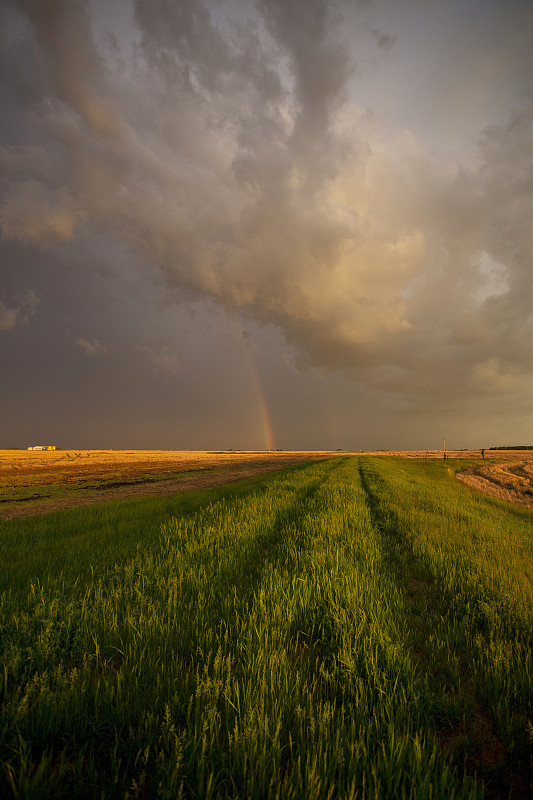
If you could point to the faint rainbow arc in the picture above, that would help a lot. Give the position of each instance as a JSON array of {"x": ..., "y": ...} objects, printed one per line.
[{"x": 263, "y": 408}]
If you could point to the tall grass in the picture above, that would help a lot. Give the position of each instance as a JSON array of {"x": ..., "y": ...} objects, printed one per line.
[{"x": 359, "y": 628}]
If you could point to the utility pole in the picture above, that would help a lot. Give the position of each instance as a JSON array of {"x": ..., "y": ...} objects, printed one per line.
[{"x": 444, "y": 445}]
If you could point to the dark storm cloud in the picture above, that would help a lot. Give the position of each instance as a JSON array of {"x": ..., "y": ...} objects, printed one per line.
[
  {"x": 383, "y": 40},
  {"x": 230, "y": 154}
]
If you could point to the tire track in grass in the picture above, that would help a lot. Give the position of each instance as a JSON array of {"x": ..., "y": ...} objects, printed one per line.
[
  {"x": 305, "y": 701},
  {"x": 441, "y": 637},
  {"x": 236, "y": 664},
  {"x": 342, "y": 645},
  {"x": 202, "y": 563},
  {"x": 163, "y": 629},
  {"x": 268, "y": 546},
  {"x": 222, "y": 570},
  {"x": 207, "y": 705},
  {"x": 244, "y": 574}
]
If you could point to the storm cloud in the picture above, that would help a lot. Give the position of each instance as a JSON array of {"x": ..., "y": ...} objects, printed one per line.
[{"x": 223, "y": 147}]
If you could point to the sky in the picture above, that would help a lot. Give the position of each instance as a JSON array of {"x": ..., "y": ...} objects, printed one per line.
[{"x": 252, "y": 224}]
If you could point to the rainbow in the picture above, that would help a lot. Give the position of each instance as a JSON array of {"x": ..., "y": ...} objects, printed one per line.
[{"x": 261, "y": 400}]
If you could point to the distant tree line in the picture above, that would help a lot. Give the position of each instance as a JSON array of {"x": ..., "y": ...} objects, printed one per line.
[{"x": 516, "y": 447}]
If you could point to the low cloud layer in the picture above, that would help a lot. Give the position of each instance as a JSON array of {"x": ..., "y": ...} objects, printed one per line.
[
  {"x": 223, "y": 144},
  {"x": 19, "y": 313},
  {"x": 164, "y": 361},
  {"x": 92, "y": 348}
]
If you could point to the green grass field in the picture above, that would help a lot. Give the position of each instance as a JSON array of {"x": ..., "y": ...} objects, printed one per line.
[{"x": 357, "y": 628}]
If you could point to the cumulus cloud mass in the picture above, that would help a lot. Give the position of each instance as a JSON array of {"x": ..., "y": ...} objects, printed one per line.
[
  {"x": 20, "y": 313},
  {"x": 92, "y": 348},
  {"x": 230, "y": 152}
]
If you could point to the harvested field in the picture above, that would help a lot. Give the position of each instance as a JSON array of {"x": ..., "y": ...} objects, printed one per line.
[
  {"x": 427, "y": 455},
  {"x": 38, "y": 482},
  {"x": 510, "y": 480}
]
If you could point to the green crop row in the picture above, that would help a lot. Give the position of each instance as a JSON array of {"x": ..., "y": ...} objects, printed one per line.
[{"x": 358, "y": 628}]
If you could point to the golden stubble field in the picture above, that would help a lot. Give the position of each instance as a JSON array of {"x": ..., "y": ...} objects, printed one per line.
[
  {"x": 510, "y": 479},
  {"x": 38, "y": 482}
]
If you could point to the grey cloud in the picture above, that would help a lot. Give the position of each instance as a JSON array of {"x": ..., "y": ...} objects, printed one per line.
[
  {"x": 8, "y": 317},
  {"x": 246, "y": 338},
  {"x": 19, "y": 314},
  {"x": 164, "y": 361},
  {"x": 35, "y": 212},
  {"x": 92, "y": 348},
  {"x": 73, "y": 70},
  {"x": 234, "y": 159},
  {"x": 383, "y": 40}
]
